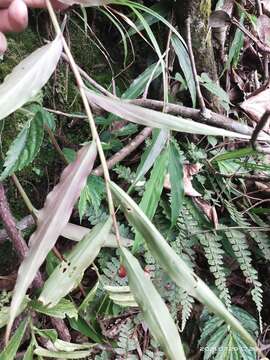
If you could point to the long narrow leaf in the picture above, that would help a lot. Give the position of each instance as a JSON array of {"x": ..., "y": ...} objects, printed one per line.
[
  {"x": 175, "y": 267},
  {"x": 10, "y": 351},
  {"x": 155, "y": 312},
  {"x": 51, "y": 221},
  {"x": 156, "y": 119},
  {"x": 77, "y": 232},
  {"x": 153, "y": 190},
  {"x": 70, "y": 271},
  {"x": 29, "y": 77}
]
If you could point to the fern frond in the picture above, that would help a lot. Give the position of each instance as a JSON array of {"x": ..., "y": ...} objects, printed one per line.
[
  {"x": 243, "y": 256},
  {"x": 186, "y": 302},
  {"x": 127, "y": 342},
  {"x": 214, "y": 254}
]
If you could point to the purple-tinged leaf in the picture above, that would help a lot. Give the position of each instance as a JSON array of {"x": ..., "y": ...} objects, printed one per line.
[{"x": 51, "y": 221}]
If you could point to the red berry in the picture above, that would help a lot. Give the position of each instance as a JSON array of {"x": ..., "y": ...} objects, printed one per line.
[{"x": 122, "y": 272}]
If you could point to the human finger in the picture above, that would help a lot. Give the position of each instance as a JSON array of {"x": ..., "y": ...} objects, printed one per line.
[
  {"x": 15, "y": 18},
  {"x": 3, "y": 43},
  {"x": 58, "y": 5}
]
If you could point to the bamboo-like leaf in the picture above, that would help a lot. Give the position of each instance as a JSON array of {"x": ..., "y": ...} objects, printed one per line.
[
  {"x": 10, "y": 351},
  {"x": 185, "y": 64},
  {"x": 64, "y": 308},
  {"x": 155, "y": 312},
  {"x": 81, "y": 354},
  {"x": 70, "y": 271},
  {"x": 152, "y": 153},
  {"x": 153, "y": 190},
  {"x": 156, "y": 119},
  {"x": 51, "y": 221},
  {"x": 29, "y": 77},
  {"x": 176, "y": 180},
  {"x": 87, "y": 3},
  {"x": 77, "y": 232},
  {"x": 121, "y": 295},
  {"x": 175, "y": 267}
]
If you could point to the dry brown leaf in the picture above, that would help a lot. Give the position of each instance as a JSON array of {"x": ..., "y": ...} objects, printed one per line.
[
  {"x": 189, "y": 171},
  {"x": 263, "y": 28},
  {"x": 209, "y": 210},
  {"x": 256, "y": 105}
]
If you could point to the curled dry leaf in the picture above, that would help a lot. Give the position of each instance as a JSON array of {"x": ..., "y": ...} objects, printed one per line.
[
  {"x": 209, "y": 210},
  {"x": 189, "y": 170},
  {"x": 263, "y": 28},
  {"x": 256, "y": 105}
]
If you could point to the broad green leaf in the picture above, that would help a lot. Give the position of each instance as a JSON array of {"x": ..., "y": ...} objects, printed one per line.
[
  {"x": 62, "y": 354},
  {"x": 151, "y": 154},
  {"x": 29, "y": 77},
  {"x": 86, "y": 329},
  {"x": 51, "y": 221},
  {"x": 153, "y": 190},
  {"x": 156, "y": 119},
  {"x": 215, "y": 89},
  {"x": 175, "y": 267},
  {"x": 70, "y": 271},
  {"x": 176, "y": 180},
  {"x": 12, "y": 347},
  {"x": 76, "y": 233},
  {"x": 61, "y": 310},
  {"x": 185, "y": 64},
  {"x": 25, "y": 147},
  {"x": 155, "y": 312}
]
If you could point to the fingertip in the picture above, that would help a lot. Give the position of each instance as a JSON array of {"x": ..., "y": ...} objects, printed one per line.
[
  {"x": 18, "y": 15},
  {"x": 3, "y": 43}
]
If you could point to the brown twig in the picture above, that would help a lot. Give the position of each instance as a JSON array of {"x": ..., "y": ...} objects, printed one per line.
[
  {"x": 13, "y": 233},
  {"x": 213, "y": 118},
  {"x": 125, "y": 151},
  {"x": 259, "y": 127}
]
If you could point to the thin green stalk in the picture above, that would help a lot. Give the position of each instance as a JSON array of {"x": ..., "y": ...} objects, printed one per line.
[
  {"x": 89, "y": 114},
  {"x": 25, "y": 197}
]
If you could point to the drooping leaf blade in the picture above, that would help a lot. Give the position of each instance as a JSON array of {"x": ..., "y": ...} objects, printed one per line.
[
  {"x": 25, "y": 147},
  {"x": 76, "y": 233},
  {"x": 156, "y": 119},
  {"x": 51, "y": 221},
  {"x": 153, "y": 190},
  {"x": 152, "y": 153},
  {"x": 185, "y": 64},
  {"x": 175, "y": 267},
  {"x": 29, "y": 77},
  {"x": 176, "y": 174},
  {"x": 70, "y": 271},
  {"x": 155, "y": 312}
]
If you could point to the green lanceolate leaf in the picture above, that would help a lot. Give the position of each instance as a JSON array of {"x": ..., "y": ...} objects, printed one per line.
[
  {"x": 153, "y": 190},
  {"x": 81, "y": 354},
  {"x": 25, "y": 147},
  {"x": 176, "y": 180},
  {"x": 29, "y": 77},
  {"x": 51, "y": 221},
  {"x": 185, "y": 64},
  {"x": 175, "y": 267},
  {"x": 160, "y": 138},
  {"x": 70, "y": 271},
  {"x": 10, "y": 351},
  {"x": 155, "y": 312}
]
